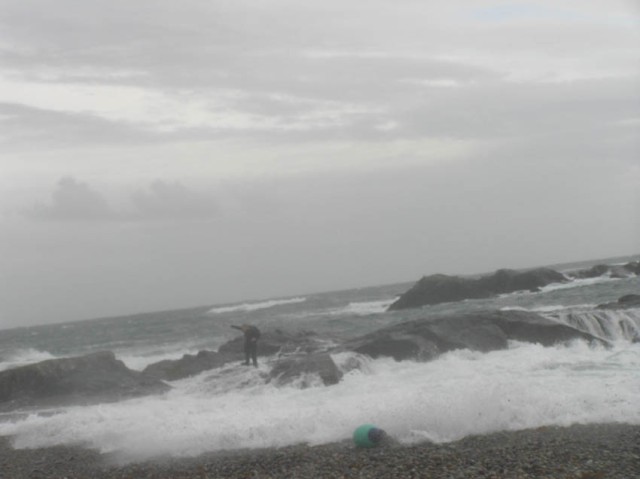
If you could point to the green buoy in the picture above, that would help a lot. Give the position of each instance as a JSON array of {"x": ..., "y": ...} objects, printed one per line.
[{"x": 368, "y": 435}]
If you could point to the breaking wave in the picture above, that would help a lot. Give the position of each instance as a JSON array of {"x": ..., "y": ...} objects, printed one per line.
[
  {"x": 613, "y": 325},
  {"x": 246, "y": 307},
  {"x": 578, "y": 283},
  {"x": 22, "y": 357},
  {"x": 364, "y": 308}
]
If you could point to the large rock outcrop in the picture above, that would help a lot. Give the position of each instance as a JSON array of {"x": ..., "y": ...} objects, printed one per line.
[
  {"x": 277, "y": 342},
  {"x": 269, "y": 344},
  {"x": 440, "y": 288},
  {"x": 290, "y": 369},
  {"x": 481, "y": 331},
  {"x": 188, "y": 365},
  {"x": 92, "y": 378}
]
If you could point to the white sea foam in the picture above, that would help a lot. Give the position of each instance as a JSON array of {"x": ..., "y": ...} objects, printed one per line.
[
  {"x": 245, "y": 307},
  {"x": 551, "y": 308},
  {"x": 22, "y": 357},
  {"x": 140, "y": 360},
  {"x": 577, "y": 283},
  {"x": 364, "y": 308},
  {"x": 459, "y": 394}
]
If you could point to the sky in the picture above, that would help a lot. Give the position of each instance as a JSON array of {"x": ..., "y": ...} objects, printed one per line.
[{"x": 158, "y": 154}]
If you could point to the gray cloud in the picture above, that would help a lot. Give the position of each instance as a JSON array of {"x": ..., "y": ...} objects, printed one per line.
[
  {"x": 568, "y": 111},
  {"x": 73, "y": 200},
  {"x": 305, "y": 75}
]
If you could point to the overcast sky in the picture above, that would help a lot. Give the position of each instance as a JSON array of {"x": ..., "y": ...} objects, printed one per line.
[{"x": 161, "y": 154}]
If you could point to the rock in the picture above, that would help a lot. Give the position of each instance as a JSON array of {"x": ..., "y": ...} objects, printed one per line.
[
  {"x": 400, "y": 346},
  {"x": 593, "y": 272},
  {"x": 482, "y": 331},
  {"x": 534, "y": 328},
  {"x": 634, "y": 267},
  {"x": 270, "y": 343},
  {"x": 287, "y": 370},
  {"x": 620, "y": 272},
  {"x": 96, "y": 377},
  {"x": 508, "y": 281},
  {"x": 188, "y": 365},
  {"x": 441, "y": 288},
  {"x": 613, "y": 271},
  {"x": 625, "y": 302},
  {"x": 629, "y": 298},
  {"x": 277, "y": 342}
]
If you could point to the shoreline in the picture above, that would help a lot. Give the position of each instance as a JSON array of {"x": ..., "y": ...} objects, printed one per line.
[{"x": 594, "y": 451}]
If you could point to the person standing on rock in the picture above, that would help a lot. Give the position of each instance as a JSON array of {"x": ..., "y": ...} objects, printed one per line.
[{"x": 251, "y": 335}]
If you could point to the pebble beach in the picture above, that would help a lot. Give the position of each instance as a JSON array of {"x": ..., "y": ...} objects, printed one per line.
[{"x": 601, "y": 451}]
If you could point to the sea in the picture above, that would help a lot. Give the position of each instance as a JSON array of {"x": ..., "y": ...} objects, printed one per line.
[{"x": 460, "y": 393}]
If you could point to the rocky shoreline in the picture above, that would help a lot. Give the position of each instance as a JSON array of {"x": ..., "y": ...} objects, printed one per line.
[{"x": 600, "y": 451}]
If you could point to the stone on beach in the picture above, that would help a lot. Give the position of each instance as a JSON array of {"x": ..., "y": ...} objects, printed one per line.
[{"x": 597, "y": 451}]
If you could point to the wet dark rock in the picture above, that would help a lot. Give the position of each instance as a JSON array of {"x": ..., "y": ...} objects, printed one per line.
[
  {"x": 269, "y": 344},
  {"x": 288, "y": 370},
  {"x": 634, "y": 267},
  {"x": 188, "y": 365},
  {"x": 629, "y": 298},
  {"x": 440, "y": 288},
  {"x": 613, "y": 271},
  {"x": 534, "y": 328},
  {"x": 277, "y": 342},
  {"x": 593, "y": 272},
  {"x": 92, "y": 378},
  {"x": 482, "y": 331}
]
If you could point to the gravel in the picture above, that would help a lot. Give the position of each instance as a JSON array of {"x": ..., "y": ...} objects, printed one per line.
[{"x": 602, "y": 451}]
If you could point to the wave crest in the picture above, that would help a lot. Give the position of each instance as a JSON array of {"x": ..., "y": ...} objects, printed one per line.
[{"x": 247, "y": 307}]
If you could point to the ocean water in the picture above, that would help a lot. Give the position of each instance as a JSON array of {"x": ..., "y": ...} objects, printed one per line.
[{"x": 460, "y": 393}]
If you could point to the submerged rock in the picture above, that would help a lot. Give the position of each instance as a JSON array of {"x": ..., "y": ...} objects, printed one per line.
[
  {"x": 97, "y": 377},
  {"x": 627, "y": 301},
  {"x": 481, "y": 331},
  {"x": 440, "y": 288}
]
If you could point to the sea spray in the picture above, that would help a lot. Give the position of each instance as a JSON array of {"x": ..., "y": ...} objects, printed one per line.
[
  {"x": 461, "y": 393},
  {"x": 22, "y": 357}
]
